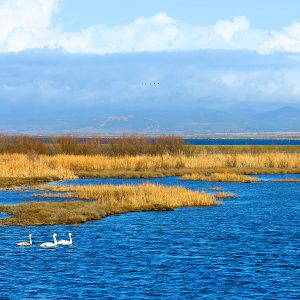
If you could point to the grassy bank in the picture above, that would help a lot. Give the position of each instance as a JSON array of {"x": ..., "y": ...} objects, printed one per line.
[
  {"x": 225, "y": 195},
  {"x": 220, "y": 177},
  {"x": 11, "y": 182},
  {"x": 126, "y": 145},
  {"x": 72, "y": 166},
  {"x": 108, "y": 200}
]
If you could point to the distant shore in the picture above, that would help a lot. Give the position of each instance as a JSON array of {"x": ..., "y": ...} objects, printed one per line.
[
  {"x": 239, "y": 135},
  {"x": 33, "y": 159}
]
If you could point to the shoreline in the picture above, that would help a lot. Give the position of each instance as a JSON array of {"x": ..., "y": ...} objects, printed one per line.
[
  {"x": 218, "y": 135},
  {"x": 100, "y": 201},
  {"x": 83, "y": 202},
  {"x": 10, "y": 182},
  {"x": 7, "y": 183}
]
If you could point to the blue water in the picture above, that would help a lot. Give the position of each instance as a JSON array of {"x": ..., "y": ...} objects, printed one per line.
[
  {"x": 16, "y": 197},
  {"x": 212, "y": 141},
  {"x": 247, "y": 248},
  {"x": 242, "y": 142}
]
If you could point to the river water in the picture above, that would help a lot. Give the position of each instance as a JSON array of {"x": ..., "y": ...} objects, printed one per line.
[
  {"x": 246, "y": 248},
  {"x": 228, "y": 142}
]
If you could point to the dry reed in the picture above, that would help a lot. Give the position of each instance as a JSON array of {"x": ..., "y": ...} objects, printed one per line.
[
  {"x": 108, "y": 200},
  {"x": 225, "y": 195},
  {"x": 125, "y": 145},
  {"x": 28, "y": 166},
  {"x": 220, "y": 177},
  {"x": 68, "y": 166},
  {"x": 215, "y": 188}
]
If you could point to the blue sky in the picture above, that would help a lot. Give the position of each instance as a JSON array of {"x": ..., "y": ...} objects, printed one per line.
[
  {"x": 106, "y": 27},
  {"x": 266, "y": 14},
  {"x": 207, "y": 54}
]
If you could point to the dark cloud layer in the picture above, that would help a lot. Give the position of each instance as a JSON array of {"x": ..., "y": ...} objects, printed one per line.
[{"x": 41, "y": 85}]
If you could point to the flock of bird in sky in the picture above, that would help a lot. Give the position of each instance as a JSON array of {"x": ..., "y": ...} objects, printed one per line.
[{"x": 150, "y": 83}]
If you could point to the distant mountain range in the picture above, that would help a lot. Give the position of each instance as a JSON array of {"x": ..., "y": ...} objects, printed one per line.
[
  {"x": 199, "y": 92},
  {"x": 206, "y": 121},
  {"x": 283, "y": 119}
]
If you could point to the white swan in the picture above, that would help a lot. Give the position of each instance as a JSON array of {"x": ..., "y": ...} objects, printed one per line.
[
  {"x": 26, "y": 243},
  {"x": 65, "y": 242},
  {"x": 49, "y": 244}
]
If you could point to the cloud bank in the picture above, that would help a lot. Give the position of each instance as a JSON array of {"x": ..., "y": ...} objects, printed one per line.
[
  {"x": 189, "y": 80},
  {"x": 31, "y": 24}
]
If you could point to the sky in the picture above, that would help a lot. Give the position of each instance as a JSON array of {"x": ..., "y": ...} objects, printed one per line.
[
  {"x": 135, "y": 57},
  {"x": 102, "y": 27},
  {"x": 266, "y": 14}
]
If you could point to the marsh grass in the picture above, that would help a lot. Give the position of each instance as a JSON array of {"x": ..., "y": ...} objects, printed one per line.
[
  {"x": 143, "y": 166},
  {"x": 167, "y": 161},
  {"x": 67, "y": 195},
  {"x": 126, "y": 145},
  {"x": 117, "y": 146},
  {"x": 108, "y": 200},
  {"x": 14, "y": 182},
  {"x": 220, "y": 177},
  {"x": 225, "y": 195},
  {"x": 215, "y": 188},
  {"x": 32, "y": 166}
]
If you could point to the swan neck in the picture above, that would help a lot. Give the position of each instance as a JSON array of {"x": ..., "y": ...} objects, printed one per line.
[
  {"x": 70, "y": 239},
  {"x": 30, "y": 240},
  {"x": 55, "y": 240}
]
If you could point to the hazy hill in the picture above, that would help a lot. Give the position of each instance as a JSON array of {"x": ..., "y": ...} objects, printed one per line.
[
  {"x": 96, "y": 121},
  {"x": 282, "y": 119},
  {"x": 187, "y": 92}
]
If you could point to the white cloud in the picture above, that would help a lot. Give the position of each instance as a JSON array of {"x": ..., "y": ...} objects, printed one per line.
[
  {"x": 187, "y": 79},
  {"x": 25, "y": 24},
  {"x": 29, "y": 24},
  {"x": 227, "y": 29},
  {"x": 229, "y": 79},
  {"x": 262, "y": 85},
  {"x": 287, "y": 40},
  {"x": 156, "y": 33}
]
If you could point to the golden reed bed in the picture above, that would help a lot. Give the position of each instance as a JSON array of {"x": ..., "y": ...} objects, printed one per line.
[
  {"x": 220, "y": 177},
  {"x": 108, "y": 200},
  {"x": 68, "y": 166}
]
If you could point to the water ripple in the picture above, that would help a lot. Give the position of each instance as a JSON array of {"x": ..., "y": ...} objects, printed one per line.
[{"x": 247, "y": 248}]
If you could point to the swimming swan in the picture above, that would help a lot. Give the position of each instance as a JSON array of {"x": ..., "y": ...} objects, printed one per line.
[
  {"x": 65, "y": 242},
  {"x": 49, "y": 244},
  {"x": 26, "y": 243}
]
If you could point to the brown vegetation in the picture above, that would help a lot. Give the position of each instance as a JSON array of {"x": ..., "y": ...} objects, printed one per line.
[
  {"x": 220, "y": 177},
  {"x": 167, "y": 161},
  {"x": 71, "y": 166},
  {"x": 127, "y": 145},
  {"x": 135, "y": 157},
  {"x": 225, "y": 195},
  {"x": 108, "y": 200},
  {"x": 132, "y": 145},
  {"x": 12, "y": 182},
  {"x": 29, "y": 166},
  {"x": 215, "y": 188},
  {"x": 55, "y": 195}
]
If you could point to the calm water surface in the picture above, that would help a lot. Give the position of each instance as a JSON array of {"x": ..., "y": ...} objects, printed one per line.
[
  {"x": 243, "y": 142},
  {"x": 217, "y": 141},
  {"x": 247, "y": 248}
]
